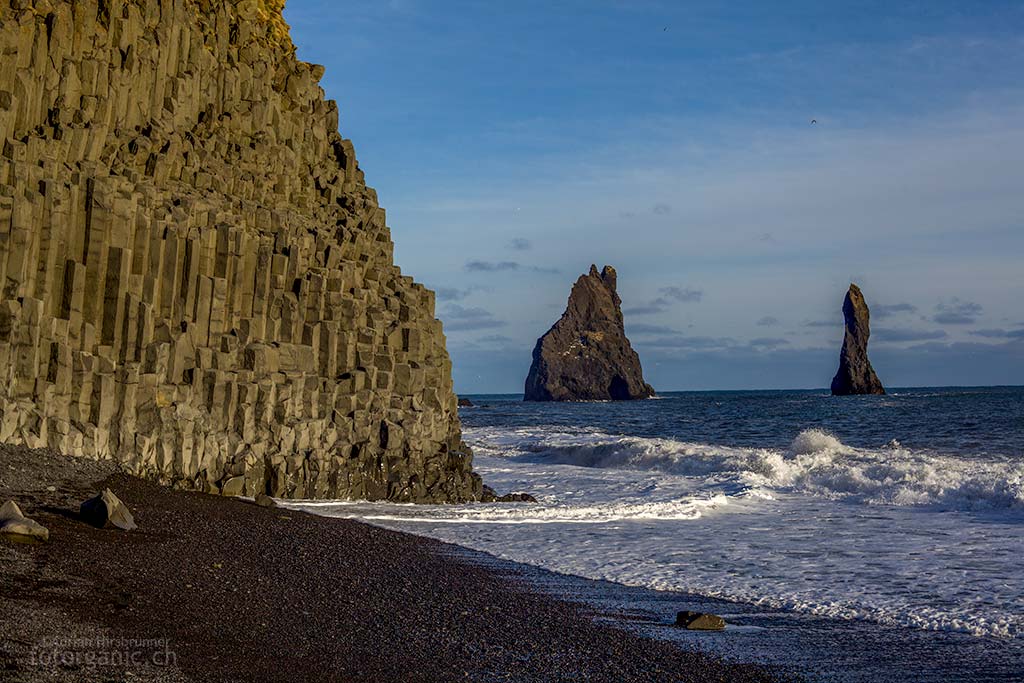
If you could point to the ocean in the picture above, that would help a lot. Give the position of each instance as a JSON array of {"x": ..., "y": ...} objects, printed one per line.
[{"x": 904, "y": 511}]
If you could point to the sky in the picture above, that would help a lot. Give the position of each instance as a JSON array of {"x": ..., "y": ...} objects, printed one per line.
[{"x": 738, "y": 163}]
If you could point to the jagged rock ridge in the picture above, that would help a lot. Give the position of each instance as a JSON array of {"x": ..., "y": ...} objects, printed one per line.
[
  {"x": 196, "y": 279},
  {"x": 586, "y": 356},
  {"x": 855, "y": 375}
]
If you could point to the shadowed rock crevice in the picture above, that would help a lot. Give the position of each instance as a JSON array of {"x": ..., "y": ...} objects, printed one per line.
[
  {"x": 586, "y": 356},
  {"x": 855, "y": 375}
]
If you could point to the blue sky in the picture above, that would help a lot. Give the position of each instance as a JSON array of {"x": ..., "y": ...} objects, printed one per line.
[{"x": 515, "y": 144}]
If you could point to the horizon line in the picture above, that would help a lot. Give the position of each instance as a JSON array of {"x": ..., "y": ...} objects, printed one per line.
[{"x": 889, "y": 391}]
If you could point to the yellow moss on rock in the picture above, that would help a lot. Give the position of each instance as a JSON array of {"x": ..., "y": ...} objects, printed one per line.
[
  {"x": 267, "y": 12},
  {"x": 272, "y": 12}
]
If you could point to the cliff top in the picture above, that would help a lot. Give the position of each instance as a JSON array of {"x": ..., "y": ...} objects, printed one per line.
[{"x": 272, "y": 12}]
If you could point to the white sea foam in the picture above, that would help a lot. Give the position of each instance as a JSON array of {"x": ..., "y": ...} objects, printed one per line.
[
  {"x": 816, "y": 463},
  {"x": 814, "y": 441},
  {"x": 566, "y": 514}
]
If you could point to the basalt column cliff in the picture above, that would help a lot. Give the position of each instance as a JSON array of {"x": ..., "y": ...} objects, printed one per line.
[{"x": 195, "y": 278}]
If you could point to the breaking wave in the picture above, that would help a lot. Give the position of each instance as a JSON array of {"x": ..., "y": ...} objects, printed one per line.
[{"x": 816, "y": 463}]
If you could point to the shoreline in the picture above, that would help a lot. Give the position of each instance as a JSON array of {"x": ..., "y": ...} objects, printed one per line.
[
  {"x": 280, "y": 606},
  {"x": 217, "y": 589},
  {"x": 812, "y": 647}
]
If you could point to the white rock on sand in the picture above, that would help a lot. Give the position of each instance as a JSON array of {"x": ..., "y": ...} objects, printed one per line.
[{"x": 14, "y": 523}]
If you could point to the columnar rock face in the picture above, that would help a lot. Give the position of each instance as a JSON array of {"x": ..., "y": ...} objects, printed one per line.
[
  {"x": 585, "y": 356},
  {"x": 196, "y": 279},
  {"x": 855, "y": 375}
]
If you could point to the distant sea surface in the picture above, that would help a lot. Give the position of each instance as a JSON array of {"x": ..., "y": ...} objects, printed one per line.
[{"x": 906, "y": 509}]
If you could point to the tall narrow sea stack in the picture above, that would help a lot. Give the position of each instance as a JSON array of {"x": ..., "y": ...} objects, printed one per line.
[
  {"x": 585, "y": 356},
  {"x": 855, "y": 375},
  {"x": 196, "y": 279}
]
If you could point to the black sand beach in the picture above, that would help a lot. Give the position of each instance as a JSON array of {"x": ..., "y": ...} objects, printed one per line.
[{"x": 215, "y": 589}]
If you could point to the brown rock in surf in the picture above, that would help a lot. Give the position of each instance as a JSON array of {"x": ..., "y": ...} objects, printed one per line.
[
  {"x": 586, "y": 356},
  {"x": 855, "y": 375}
]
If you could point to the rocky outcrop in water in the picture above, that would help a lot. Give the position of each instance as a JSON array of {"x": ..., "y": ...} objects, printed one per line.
[
  {"x": 492, "y": 496},
  {"x": 195, "y": 278},
  {"x": 586, "y": 356},
  {"x": 855, "y": 375},
  {"x": 699, "y": 621}
]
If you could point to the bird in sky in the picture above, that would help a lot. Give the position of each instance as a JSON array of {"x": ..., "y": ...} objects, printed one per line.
[{"x": 814, "y": 121}]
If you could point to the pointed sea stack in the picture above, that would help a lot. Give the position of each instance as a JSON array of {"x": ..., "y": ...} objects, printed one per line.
[
  {"x": 855, "y": 375},
  {"x": 585, "y": 356}
]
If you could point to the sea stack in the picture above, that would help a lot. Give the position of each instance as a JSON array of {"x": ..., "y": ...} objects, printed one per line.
[
  {"x": 585, "y": 356},
  {"x": 855, "y": 375},
  {"x": 195, "y": 278}
]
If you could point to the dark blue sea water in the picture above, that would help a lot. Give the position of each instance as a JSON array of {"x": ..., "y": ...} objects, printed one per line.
[{"x": 958, "y": 421}]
